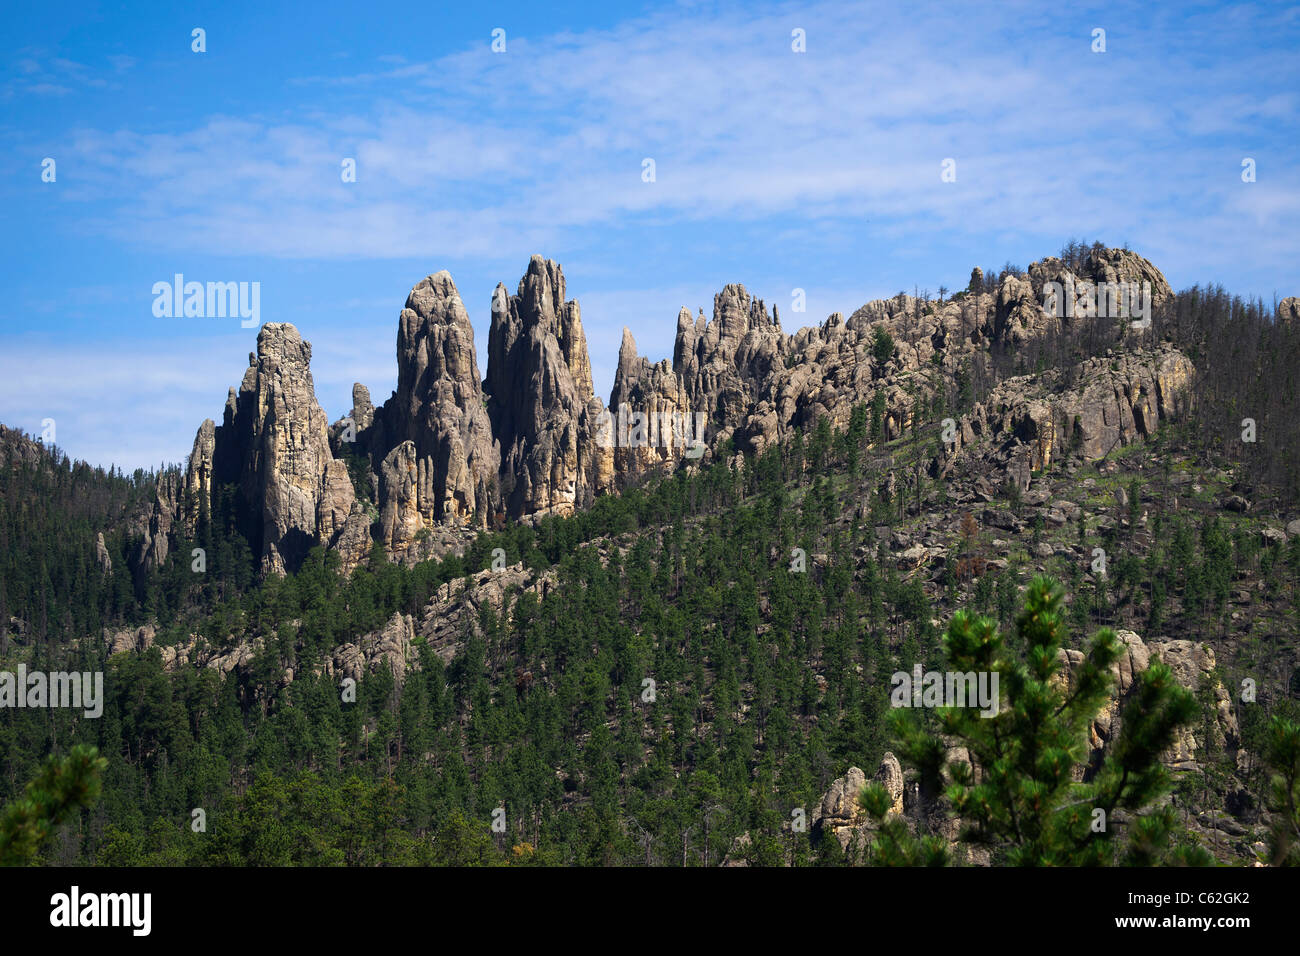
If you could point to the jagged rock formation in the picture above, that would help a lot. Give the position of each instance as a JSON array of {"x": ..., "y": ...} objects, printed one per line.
[
  {"x": 16, "y": 448},
  {"x": 102, "y": 558},
  {"x": 759, "y": 385},
  {"x": 1193, "y": 666},
  {"x": 1031, "y": 421},
  {"x": 443, "y": 624},
  {"x": 439, "y": 407},
  {"x": 449, "y": 453},
  {"x": 839, "y": 816},
  {"x": 389, "y": 647},
  {"x": 155, "y": 528},
  {"x": 274, "y": 443},
  {"x": 543, "y": 408}
]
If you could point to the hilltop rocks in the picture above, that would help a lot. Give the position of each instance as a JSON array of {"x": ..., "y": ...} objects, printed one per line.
[
  {"x": 274, "y": 443},
  {"x": 304, "y": 493},
  {"x": 438, "y": 407},
  {"x": 17, "y": 449},
  {"x": 543, "y": 409},
  {"x": 449, "y": 453},
  {"x": 1034, "y": 305}
]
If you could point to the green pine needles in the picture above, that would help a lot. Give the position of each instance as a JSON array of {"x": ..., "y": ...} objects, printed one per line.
[
  {"x": 1027, "y": 794},
  {"x": 64, "y": 786}
]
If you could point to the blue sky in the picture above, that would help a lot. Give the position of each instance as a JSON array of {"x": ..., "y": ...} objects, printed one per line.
[{"x": 817, "y": 170}]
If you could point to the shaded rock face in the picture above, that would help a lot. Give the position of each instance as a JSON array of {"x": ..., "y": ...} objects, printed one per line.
[
  {"x": 274, "y": 443},
  {"x": 439, "y": 407},
  {"x": 1031, "y": 421},
  {"x": 543, "y": 409}
]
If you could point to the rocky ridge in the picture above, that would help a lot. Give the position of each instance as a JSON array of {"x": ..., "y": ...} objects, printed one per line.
[{"x": 449, "y": 452}]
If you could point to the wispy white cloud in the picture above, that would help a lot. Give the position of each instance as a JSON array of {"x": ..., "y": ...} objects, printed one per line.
[{"x": 472, "y": 151}]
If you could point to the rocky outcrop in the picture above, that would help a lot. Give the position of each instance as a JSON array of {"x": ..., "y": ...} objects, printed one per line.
[
  {"x": 1031, "y": 421},
  {"x": 1192, "y": 664},
  {"x": 543, "y": 409},
  {"x": 102, "y": 557},
  {"x": 839, "y": 815},
  {"x": 448, "y": 454},
  {"x": 439, "y": 408},
  {"x": 16, "y": 448},
  {"x": 154, "y": 528},
  {"x": 197, "y": 483},
  {"x": 1035, "y": 304},
  {"x": 1288, "y": 310},
  {"x": 389, "y": 647},
  {"x": 652, "y": 422},
  {"x": 274, "y": 444},
  {"x": 139, "y": 640}
]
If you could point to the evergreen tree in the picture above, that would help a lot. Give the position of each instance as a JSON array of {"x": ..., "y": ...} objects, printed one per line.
[
  {"x": 1021, "y": 799},
  {"x": 64, "y": 786}
]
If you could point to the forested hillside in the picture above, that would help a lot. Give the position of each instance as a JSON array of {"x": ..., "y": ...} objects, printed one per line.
[{"x": 666, "y": 677}]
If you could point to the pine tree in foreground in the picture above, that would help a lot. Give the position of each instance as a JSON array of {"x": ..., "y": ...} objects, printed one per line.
[
  {"x": 63, "y": 786},
  {"x": 1021, "y": 799}
]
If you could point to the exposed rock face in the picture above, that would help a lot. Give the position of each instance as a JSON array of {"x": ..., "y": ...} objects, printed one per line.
[
  {"x": 758, "y": 385},
  {"x": 102, "y": 557},
  {"x": 1026, "y": 309},
  {"x": 1031, "y": 421},
  {"x": 448, "y": 453},
  {"x": 139, "y": 640},
  {"x": 155, "y": 528},
  {"x": 388, "y": 647},
  {"x": 840, "y": 817},
  {"x": 363, "y": 411},
  {"x": 439, "y": 407},
  {"x": 399, "y": 489},
  {"x": 16, "y": 448},
  {"x": 652, "y": 392},
  {"x": 274, "y": 443},
  {"x": 197, "y": 484},
  {"x": 1193, "y": 667},
  {"x": 543, "y": 408},
  {"x": 1288, "y": 310}
]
